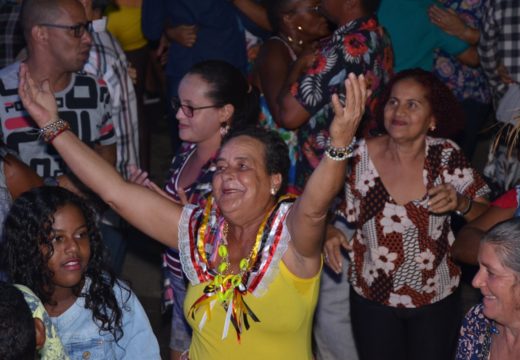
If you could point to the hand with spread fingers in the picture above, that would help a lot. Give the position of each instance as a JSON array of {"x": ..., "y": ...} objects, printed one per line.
[{"x": 347, "y": 117}]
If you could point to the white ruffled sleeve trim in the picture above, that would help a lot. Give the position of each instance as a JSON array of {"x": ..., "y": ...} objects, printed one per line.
[{"x": 185, "y": 247}]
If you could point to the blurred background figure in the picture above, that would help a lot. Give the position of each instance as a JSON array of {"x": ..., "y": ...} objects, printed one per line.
[
  {"x": 499, "y": 51},
  {"x": 11, "y": 34},
  {"x": 21, "y": 334},
  {"x": 463, "y": 19},
  {"x": 196, "y": 31},
  {"x": 297, "y": 25},
  {"x": 124, "y": 23}
]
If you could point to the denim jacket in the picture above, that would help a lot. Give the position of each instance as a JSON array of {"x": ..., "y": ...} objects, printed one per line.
[{"x": 81, "y": 337}]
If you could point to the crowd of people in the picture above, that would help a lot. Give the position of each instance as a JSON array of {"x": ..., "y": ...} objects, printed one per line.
[{"x": 322, "y": 159}]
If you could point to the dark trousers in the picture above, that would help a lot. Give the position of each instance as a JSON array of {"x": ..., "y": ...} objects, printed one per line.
[{"x": 387, "y": 333}]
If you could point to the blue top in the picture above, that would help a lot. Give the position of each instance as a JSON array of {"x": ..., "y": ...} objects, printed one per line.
[
  {"x": 475, "y": 335},
  {"x": 81, "y": 338},
  {"x": 219, "y": 36},
  {"x": 414, "y": 37},
  {"x": 466, "y": 82}
]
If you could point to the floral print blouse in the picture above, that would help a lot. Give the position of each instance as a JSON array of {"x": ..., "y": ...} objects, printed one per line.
[
  {"x": 401, "y": 253},
  {"x": 360, "y": 46},
  {"x": 465, "y": 82},
  {"x": 475, "y": 335}
]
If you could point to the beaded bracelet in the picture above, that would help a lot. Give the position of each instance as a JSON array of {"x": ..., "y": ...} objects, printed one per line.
[
  {"x": 49, "y": 132},
  {"x": 340, "y": 153}
]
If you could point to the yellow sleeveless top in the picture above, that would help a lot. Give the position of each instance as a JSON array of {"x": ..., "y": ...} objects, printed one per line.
[
  {"x": 125, "y": 25},
  {"x": 284, "y": 332}
]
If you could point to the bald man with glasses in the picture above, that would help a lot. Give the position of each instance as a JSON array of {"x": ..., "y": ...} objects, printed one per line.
[{"x": 58, "y": 39}]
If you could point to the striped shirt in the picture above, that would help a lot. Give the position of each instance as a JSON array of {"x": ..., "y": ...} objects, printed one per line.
[{"x": 108, "y": 61}]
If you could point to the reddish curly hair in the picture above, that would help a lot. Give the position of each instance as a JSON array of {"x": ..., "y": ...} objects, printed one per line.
[{"x": 448, "y": 112}]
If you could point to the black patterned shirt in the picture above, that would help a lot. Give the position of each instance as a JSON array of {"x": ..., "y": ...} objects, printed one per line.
[{"x": 361, "y": 47}]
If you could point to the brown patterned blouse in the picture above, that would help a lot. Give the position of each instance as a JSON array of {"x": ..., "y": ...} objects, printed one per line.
[{"x": 401, "y": 253}]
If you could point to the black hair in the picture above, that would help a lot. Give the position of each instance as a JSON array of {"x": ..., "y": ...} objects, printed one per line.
[
  {"x": 228, "y": 86},
  {"x": 505, "y": 236},
  {"x": 445, "y": 107},
  {"x": 276, "y": 152},
  {"x": 28, "y": 229},
  {"x": 17, "y": 332},
  {"x": 370, "y": 6},
  {"x": 275, "y": 10}
]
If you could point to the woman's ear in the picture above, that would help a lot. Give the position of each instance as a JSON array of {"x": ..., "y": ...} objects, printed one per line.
[
  {"x": 276, "y": 182},
  {"x": 226, "y": 113}
]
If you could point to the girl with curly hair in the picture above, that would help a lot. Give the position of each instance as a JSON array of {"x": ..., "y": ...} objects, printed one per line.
[{"x": 53, "y": 246}]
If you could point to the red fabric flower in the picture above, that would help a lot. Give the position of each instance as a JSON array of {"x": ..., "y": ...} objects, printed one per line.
[
  {"x": 355, "y": 45},
  {"x": 371, "y": 24},
  {"x": 318, "y": 66}
]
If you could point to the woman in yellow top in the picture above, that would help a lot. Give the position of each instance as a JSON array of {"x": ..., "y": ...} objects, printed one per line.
[{"x": 252, "y": 256}]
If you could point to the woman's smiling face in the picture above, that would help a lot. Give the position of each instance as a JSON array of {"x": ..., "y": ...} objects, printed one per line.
[
  {"x": 498, "y": 284},
  {"x": 241, "y": 184}
]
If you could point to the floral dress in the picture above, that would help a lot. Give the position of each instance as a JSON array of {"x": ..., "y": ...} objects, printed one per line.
[
  {"x": 475, "y": 335},
  {"x": 401, "y": 253},
  {"x": 466, "y": 82},
  {"x": 361, "y": 47}
]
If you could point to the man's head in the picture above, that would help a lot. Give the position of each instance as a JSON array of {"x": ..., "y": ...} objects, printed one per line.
[
  {"x": 20, "y": 333},
  {"x": 57, "y": 32},
  {"x": 343, "y": 11}
]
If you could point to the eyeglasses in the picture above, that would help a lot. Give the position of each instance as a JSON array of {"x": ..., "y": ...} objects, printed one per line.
[
  {"x": 77, "y": 30},
  {"x": 188, "y": 109}
]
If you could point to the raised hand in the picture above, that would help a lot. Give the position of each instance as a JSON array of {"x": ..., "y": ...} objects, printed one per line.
[
  {"x": 37, "y": 98},
  {"x": 346, "y": 118},
  {"x": 447, "y": 20}
]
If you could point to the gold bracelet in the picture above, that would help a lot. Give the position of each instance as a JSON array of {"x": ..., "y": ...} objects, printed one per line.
[{"x": 49, "y": 132}]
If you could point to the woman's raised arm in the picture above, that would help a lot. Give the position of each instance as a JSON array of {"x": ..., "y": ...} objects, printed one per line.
[
  {"x": 149, "y": 212},
  {"x": 308, "y": 218}
]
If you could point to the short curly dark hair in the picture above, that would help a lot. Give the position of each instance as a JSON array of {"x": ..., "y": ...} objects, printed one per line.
[
  {"x": 28, "y": 228},
  {"x": 276, "y": 152},
  {"x": 448, "y": 112}
]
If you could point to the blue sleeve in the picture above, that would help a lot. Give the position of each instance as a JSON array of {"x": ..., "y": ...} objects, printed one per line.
[
  {"x": 152, "y": 19},
  {"x": 138, "y": 341},
  {"x": 450, "y": 44}
]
